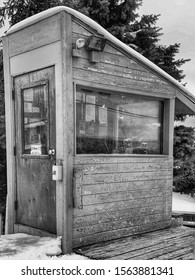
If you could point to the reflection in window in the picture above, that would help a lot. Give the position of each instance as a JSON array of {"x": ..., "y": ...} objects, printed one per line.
[
  {"x": 109, "y": 123},
  {"x": 35, "y": 111}
]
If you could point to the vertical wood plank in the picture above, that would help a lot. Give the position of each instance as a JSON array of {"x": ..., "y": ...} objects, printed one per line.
[
  {"x": 169, "y": 113},
  {"x": 6, "y": 215},
  {"x": 67, "y": 90},
  {"x": 10, "y": 142},
  {"x": 1, "y": 225}
]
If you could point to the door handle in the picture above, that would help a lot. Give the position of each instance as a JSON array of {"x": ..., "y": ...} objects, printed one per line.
[{"x": 51, "y": 152}]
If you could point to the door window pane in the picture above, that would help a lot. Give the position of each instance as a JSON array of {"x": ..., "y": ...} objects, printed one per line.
[
  {"x": 109, "y": 123},
  {"x": 35, "y": 120}
]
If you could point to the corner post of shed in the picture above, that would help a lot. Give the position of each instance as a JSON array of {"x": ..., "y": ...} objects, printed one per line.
[
  {"x": 10, "y": 142},
  {"x": 169, "y": 116},
  {"x": 68, "y": 130}
]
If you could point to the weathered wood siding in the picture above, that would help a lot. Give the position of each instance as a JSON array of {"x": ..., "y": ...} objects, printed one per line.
[
  {"x": 115, "y": 69},
  {"x": 119, "y": 196}
]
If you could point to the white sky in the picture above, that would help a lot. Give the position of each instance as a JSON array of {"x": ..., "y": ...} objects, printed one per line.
[{"x": 178, "y": 22}]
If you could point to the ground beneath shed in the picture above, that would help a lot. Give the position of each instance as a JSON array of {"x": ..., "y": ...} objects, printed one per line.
[{"x": 21, "y": 246}]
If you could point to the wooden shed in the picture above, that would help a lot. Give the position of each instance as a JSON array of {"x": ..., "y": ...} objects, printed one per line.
[{"x": 89, "y": 125}]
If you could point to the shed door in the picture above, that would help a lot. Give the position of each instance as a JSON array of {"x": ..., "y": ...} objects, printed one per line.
[{"x": 35, "y": 136}]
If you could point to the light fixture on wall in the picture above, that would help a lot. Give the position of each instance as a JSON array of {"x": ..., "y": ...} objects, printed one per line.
[
  {"x": 80, "y": 43},
  {"x": 77, "y": 47},
  {"x": 95, "y": 43}
]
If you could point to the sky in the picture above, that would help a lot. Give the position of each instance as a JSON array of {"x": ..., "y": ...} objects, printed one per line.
[{"x": 177, "y": 21}]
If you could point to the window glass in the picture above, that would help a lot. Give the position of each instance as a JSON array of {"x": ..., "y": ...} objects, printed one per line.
[
  {"x": 109, "y": 123},
  {"x": 35, "y": 120}
]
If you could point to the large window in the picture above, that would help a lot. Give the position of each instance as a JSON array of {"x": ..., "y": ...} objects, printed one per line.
[{"x": 117, "y": 123}]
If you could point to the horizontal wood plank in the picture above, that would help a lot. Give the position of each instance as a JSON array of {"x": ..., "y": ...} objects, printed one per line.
[
  {"x": 115, "y": 234},
  {"x": 80, "y": 28},
  {"x": 106, "y": 79},
  {"x": 164, "y": 184},
  {"x": 139, "y": 241},
  {"x": 124, "y": 167},
  {"x": 128, "y": 222},
  {"x": 105, "y": 67},
  {"x": 123, "y": 196},
  {"x": 122, "y": 205},
  {"x": 99, "y": 159},
  {"x": 170, "y": 243},
  {"x": 111, "y": 57},
  {"x": 185, "y": 256},
  {"x": 125, "y": 177},
  {"x": 176, "y": 254},
  {"x": 157, "y": 251},
  {"x": 110, "y": 216}
]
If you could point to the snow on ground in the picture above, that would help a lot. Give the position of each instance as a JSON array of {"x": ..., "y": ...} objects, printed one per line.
[
  {"x": 183, "y": 203},
  {"x": 21, "y": 246}
]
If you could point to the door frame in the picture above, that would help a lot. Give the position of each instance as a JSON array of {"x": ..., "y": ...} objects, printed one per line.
[
  {"x": 14, "y": 68},
  {"x": 46, "y": 78},
  {"x": 58, "y": 54}
]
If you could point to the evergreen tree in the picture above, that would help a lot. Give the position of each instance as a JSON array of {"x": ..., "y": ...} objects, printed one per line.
[
  {"x": 184, "y": 142},
  {"x": 184, "y": 159},
  {"x": 18, "y": 10},
  {"x": 142, "y": 34},
  {"x": 119, "y": 17}
]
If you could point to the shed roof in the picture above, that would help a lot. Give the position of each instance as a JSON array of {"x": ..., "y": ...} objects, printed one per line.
[{"x": 185, "y": 103}]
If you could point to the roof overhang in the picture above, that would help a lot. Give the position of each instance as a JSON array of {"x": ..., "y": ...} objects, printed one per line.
[{"x": 184, "y": 104}]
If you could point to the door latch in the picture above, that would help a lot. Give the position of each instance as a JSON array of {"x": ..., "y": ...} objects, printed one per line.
[{"x": 51, "y": 152}]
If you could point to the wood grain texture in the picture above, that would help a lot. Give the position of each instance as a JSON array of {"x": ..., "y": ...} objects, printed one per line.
[
  {"x": 112, "y": 216},
  {"x": 1, "y": 224},
  {"x": 116, "y": 68},
  {"x": 68, "y": 132},
  {"x": 119, "y": 233},
  {"x": 32, "y": 231},
  {"x": 39, "y": 34},
  {"x": 36, "y": 191},
  {"x": 120, "y": 197},
  {"x": 171, "y": 243},
  {"x": 99, "y": 159},
  {"x": 106, "y": 79},
  {"x": 116, "y": 196},
  {"x": 123, "y": 68},
  {"x": 10, "y": 140}
]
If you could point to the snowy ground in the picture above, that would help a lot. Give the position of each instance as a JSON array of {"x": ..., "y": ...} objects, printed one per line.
[
  {"x": 183, "y": 203},
  {"x": 21, "y": 246},
  {"x": 26, "y": 247}
]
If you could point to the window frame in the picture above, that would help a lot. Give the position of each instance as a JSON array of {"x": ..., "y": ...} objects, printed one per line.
[
  {"x": 165, "y": 120},
  {"x": 45, "y": 83}
]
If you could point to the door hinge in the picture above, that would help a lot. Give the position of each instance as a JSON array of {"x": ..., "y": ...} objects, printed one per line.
[
  {"x": 14, "y": 150},
  {"x": 13, "y": 94},
  {"x": 16, "y": 205}
]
